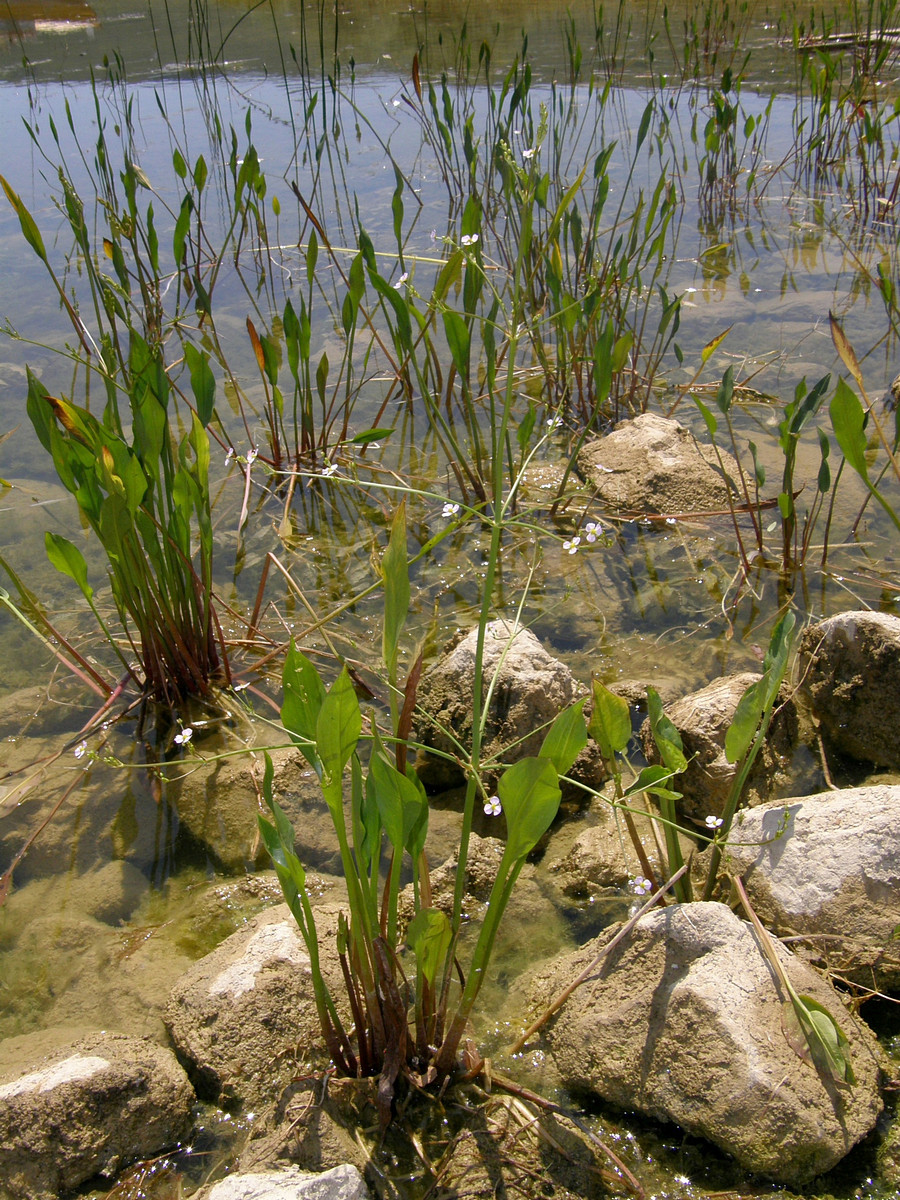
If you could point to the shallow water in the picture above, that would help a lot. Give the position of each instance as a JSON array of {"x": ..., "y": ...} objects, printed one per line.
[{"x": 119, "y": 893}]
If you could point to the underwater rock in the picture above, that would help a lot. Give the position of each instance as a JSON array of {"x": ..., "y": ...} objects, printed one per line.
[
  {"x": 850, "y": 671},
  {"x": 290, "y": 1183},
  {"x": 531, "y": 689},
  {"x": 702, "y": 719},
  {"x": 51, "y": 960},
  {"x": 238, "y": 1016},
  {"x": 88, "y": 1109},
  {"x": 829, "y": 865},
  {"x": 652, "y": 464},
  {"x": 683, "y": 1021},
  {"x": 528, "y": 908},
  {"x": 218, "y": 803},
  {"x": 482, "y": 864},
  {"x": 602, "y": 857}
]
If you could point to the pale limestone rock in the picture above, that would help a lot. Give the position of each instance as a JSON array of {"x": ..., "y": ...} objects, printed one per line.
[{"x": 683, "y": 1021}]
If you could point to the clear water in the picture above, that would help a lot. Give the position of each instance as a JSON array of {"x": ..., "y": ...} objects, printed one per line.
[{"x": 116, "y": 896}]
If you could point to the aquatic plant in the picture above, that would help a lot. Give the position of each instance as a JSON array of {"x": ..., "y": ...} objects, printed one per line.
[
  {"x": 143, "y": 493},
  {"x": 796, "y": 534},
  {"x": 404, "y": 1028}
]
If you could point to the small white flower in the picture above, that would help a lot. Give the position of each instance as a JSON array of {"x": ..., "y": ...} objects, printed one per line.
[
  {"x": 671, "y": 521},
  {"x": 396, "y": 103},
  {"x": 468, "y": 239},
  {"x": 592, "y": 531},
  {"x": 251, "y": 456},
  {"x": 526, "y": 154},
  {"x": 81, "y": 750},
  {"x": 640, "y": 886},
  {"x": 449, "y": 510},
  {"x": 182, "y": 739},
  {"x": 329, "y": 469},
  {"x": 492, "y": 807},
  {"x": 713, "y": 822},
  {"x": 229, "y": 455},
  {"x": 433, "y": 235},
  {"x": 554, "y": 422},
  {"x": 400, "y": 282},
  {"x": 572, "y": 545}
]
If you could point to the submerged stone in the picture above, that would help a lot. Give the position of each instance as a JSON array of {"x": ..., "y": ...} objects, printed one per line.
[{"x": 652, "y": 464}]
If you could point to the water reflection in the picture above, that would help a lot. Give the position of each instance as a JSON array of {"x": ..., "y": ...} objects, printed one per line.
[{"x": 23, "y": 20}]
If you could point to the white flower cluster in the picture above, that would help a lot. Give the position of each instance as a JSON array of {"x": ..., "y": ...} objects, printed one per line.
[{"x": 589, "y": 534}]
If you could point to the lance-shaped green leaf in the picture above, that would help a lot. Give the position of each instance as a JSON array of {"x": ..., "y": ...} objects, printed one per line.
[
  {"x": 826, "y": 1043},
  {"x": 338, "y": 727},
  {"x": 610, "y": 724},
  {"x": 761, "y": 695},
  {"x": 458, "y": 339},
  {"x": 848, "y": 420},
  {"x": 530, "y": 795},
  {"x": 29, "y": 229},
  {"x": 665, "y": 735},
  {"x": 304, "y": 693},
  {"x": 203, "y": 382},
  {"x": 566, "y": 738},
  {"x": 69, "y": 560},
  {"x": 366, "y": 821},
  {"x": 652, "y": 779},
  {"x": 399, "y": 801},
  {"x": 429, "y": 936},
  {"x": 813, "y": 1033},
  {"x": 279, "y": 841},
  {"x": 395, "y": 570}
]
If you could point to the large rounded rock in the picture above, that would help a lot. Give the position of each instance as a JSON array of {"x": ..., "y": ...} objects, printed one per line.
[
  {"x": 703, "y": 719},
  {"x": 237, "y": 1016},
  {"x": 289, "y": 1183},
  {"x": 88, "y": 1109},
  {"x": 683, "y": 1021},
  {"x": 829, "y": 866},
  {"x": 850, "y": 668},
  {"x": 654, "y": 465},
  {"x": 530, "y": 688}
]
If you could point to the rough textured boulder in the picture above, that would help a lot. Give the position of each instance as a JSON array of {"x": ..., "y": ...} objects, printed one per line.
[
  {"x": 236, "y": 1015},
  {"x": 88, "y": 1109},
  {"x": 654, "y": 465},
  {"x": 290, "y": 1183},
  {"x": 702, "y": 719},
  {"x": 683, "y": 1021},
  {"x": 531, "y": 689},
  {"x": 831, "y": 867},
  {"x": 850, "y": 668}
]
